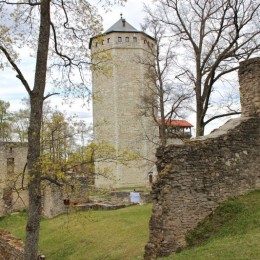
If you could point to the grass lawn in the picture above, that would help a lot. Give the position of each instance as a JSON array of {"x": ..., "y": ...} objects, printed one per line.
[
  {"x": 232, "y": 233},
  {"x": 92, "y": 235}
]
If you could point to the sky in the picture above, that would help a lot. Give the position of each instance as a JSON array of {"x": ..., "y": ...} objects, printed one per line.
[{"x": 11, "y": 89}]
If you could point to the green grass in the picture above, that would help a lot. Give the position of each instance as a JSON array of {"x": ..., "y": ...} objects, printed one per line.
[
  {"x": 93, "y": 235},
  {"x": 232, "y": 233}
]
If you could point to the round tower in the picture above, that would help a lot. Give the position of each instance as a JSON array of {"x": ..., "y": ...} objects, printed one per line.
[{"x": 119, "y": 79}]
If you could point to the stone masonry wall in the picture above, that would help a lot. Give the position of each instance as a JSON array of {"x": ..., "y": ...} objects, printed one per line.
[
  {"x": 52, "y": 201},
  {"x": 13, "y": 187},
  {"x": 11, "y": 248},
  {"x": 117, "y": 120},
  {"x": 13, "y": 157},
  {"x": 195, "y": 177},
  {"x": 249, "y": 79}
]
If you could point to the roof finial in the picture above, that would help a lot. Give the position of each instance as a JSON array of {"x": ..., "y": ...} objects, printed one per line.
[{"x": 121, "y": 16}]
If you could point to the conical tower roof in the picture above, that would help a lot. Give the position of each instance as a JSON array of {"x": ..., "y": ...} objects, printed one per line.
[{"x": 121, "y": 26}]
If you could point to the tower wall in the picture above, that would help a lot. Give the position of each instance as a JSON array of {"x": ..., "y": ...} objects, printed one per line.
[{"x": 118, "y": 89}]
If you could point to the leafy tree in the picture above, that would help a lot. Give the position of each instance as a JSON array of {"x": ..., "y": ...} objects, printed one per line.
[
  {"x": 58, "y": 31},
  {"x": 20, "y": 122},
  {"x": 56, "y": 135},
  {"x": 58, "y": 142},
  {"x": 212, "y": 36},
  {"x": 5, "y": 117}
]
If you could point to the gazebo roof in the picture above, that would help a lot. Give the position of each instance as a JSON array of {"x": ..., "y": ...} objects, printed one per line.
[{"x": 177, "y": 123}]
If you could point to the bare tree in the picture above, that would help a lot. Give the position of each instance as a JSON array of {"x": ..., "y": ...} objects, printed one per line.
[
  {"x": 212, "y": 36},
  {"x": 58, "y": 32},
  {"x": 165, "y": 97}
]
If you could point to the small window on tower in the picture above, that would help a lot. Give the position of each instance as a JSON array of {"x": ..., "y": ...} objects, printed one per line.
[
  {"x": 96, "y": 44},
  {"x": 144, "y": 41},
  {"x": 119, "y": 39},
  {"x": 135, "y": 39},
  {"x": 126, "y": 39},
  {"x": 108, "y": 39}
]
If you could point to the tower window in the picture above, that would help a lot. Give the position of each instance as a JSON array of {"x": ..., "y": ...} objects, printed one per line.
[
  {"x": 135, "y": 39},
  {"x": 126, "y": 39},
  {"x": 96, "y": 44},
  {"x": 108, "y": 39},
  {"x": 144, "y": 41},
  {"x": 119, "y": 39}
]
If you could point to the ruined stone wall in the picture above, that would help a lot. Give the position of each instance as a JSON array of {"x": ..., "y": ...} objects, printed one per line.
[
  {"x": 13, "y": 197},
  {"x": 249, "y": 79},
  {"x": 11, "y": 248},
  {"x": 52, "y": 201},
  {"x": 13, "y": 183},
  {"x": 195, "y": 177},
  {"x": 117, "y": 197}
]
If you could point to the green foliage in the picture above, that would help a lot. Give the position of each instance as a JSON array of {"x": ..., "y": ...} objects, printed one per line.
[
  {"x": 66, "y": 147},
  {"x": 20, "y": 124},
  {"x": 5, "y": 122}
]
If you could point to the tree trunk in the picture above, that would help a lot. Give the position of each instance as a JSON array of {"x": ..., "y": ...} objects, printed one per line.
[
  {"x": 199, "y": 119},
  {"x": 199, "y": 128},
  {"x": 199, "y": 103},
  {"x": 34, "y": 167},
  {"x": 162, "y": 128}
]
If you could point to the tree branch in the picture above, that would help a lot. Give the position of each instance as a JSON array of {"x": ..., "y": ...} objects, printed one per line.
[
  {"x": 20, "y": 75},
  {"x": 64, "y": 57},
  {"x": 49, "y": 95},
  {"x": 219, "y": 116},
  {"x": 51, "y": 180},
  {"x": 23, "y": 3}
]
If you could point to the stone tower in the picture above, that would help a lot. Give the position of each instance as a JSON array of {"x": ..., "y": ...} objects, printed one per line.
[{"x": 118, "y": 89}]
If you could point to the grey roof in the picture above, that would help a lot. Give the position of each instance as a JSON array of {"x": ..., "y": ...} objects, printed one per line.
[{"x": 121, "y": 26}]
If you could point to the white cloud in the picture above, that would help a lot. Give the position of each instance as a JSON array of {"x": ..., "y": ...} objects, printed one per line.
[
  {"x": 13, "y": 91},
  {"x": 132, "y": 11}
]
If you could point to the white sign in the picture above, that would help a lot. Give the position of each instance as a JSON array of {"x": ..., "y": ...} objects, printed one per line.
[{"x": 135, "y": 197}]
